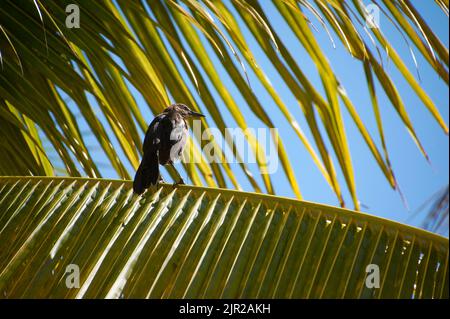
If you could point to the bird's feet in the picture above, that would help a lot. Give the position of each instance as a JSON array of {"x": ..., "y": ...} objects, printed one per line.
[
  {"x": 180, "y": 182},
  {"x": 160, "y": 181}
]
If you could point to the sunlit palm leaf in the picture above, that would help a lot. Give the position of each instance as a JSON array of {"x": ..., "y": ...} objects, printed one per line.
[
  {"x": 202, "y": 243},
  {"x": 161, "y": 49}
]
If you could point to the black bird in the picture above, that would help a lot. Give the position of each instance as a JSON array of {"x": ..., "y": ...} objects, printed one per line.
[{"x": 163, "y": 144}]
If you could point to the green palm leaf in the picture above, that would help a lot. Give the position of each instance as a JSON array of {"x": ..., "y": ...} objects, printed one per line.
[
  {"x": 202, "y": 243},
  {"x": 52, "y": 78}
]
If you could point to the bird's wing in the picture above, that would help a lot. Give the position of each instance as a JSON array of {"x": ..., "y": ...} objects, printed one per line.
[
  {"x": 165, "y": 138},
  {"x": 153, "y": 136},
  {"x": 173, "y": 135}
]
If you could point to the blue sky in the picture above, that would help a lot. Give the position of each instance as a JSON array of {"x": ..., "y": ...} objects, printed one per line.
[{"x": 418, "y": 180}]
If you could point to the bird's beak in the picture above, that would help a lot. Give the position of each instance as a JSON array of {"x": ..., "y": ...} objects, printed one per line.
[{"x": 195, "y": 114}]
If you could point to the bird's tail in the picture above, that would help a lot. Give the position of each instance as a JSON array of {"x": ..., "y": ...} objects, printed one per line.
[{"x": 147, "y": 173}]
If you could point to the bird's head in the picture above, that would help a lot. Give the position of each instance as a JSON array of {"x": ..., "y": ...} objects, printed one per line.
[{"x": 182, "y": 110}]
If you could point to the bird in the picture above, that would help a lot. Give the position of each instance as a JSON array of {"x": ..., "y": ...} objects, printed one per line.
[{"x": 164, "y": 143}]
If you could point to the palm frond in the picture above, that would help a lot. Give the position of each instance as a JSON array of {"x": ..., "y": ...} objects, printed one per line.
[
  {"x": 166, "y": 51},
  {"x": 201, "y": 242},
  {"x": 436, "y": 219}
]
